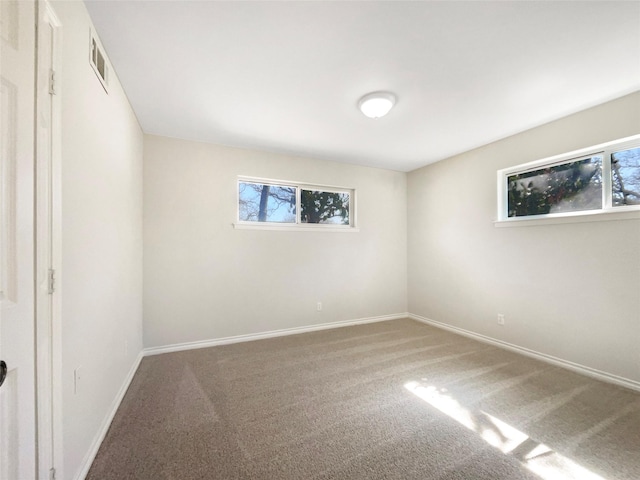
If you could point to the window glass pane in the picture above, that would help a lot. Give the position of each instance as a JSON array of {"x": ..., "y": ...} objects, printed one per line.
[
  {"x": 267, "y": 203},
  {"x": 569, "y": 187},
  {"x": 324, "y": 207},
  {"x": 625, "y": 177}
]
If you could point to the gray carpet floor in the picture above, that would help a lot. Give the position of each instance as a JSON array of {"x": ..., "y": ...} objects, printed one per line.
[{"x": 390, "y": 400}]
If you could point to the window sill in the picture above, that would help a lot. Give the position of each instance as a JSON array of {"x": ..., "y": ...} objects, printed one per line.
[
  {"x": 296, "y": 228},
  {"x": 630, "y": 213}
]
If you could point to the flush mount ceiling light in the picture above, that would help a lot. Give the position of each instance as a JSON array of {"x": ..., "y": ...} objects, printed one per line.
[{"x": 377, "y": 104}]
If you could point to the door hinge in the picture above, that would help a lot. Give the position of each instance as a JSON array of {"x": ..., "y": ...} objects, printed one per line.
[
  {"x": 52, "y": 82},
  {"x": 52, "y": 474},
  {"x": 52, "y": 281}
]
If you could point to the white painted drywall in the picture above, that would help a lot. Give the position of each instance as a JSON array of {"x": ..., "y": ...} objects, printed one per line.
[
  {"x": 206, "y": 280},
  {"x": 101, "y": 274},
  {"x": 571, "y": 291}
]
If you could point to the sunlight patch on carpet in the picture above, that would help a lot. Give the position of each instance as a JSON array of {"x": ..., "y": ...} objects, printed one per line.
[{"x": 535, "y": 456}]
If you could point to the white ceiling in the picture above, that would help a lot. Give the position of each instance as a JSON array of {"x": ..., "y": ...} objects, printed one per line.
[{"x": 286, "y": 76}]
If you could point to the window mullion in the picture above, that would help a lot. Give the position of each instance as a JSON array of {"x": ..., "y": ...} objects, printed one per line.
[{"x": 298, "y": 204}]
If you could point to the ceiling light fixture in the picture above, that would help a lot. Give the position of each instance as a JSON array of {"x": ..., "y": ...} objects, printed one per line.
[{"x": 376, "y": 104}]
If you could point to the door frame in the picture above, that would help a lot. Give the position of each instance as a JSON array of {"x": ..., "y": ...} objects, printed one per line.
[{"x": 48, "y": 234}]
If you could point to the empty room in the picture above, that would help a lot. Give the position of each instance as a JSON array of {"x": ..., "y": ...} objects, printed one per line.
[{"x": 353, "y": 240}]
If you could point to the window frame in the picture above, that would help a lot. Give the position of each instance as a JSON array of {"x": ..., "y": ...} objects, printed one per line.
[
  {"x": 298, "y": 225},
  {"x": 607, "y": 212}
]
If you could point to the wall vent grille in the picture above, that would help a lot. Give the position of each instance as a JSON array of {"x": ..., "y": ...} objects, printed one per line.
[{"x": 98, "y": 62}]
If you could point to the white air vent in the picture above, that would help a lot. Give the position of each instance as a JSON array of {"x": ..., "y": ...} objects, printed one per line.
[{"x": 98, "y": 62}]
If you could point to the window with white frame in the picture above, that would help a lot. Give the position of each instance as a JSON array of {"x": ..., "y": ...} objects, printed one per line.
[
  {"x": 273, "y": 202},
  {"x": 599, "y": 179}
]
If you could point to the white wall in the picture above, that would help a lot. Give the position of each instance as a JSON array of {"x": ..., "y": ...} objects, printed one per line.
[
  {"x": 571, "y": 291},
  {"x": 101, "y": 274},
  {"x": 206, "y": 280}
]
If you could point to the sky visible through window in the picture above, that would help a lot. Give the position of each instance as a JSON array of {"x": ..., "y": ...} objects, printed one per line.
[{"x": 279, "y": 202}]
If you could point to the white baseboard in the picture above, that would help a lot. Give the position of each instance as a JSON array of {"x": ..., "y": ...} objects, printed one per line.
[
  {"x": 576, "y": 367},
  {"x": 106, "y": 423},
  {"x": 269, "y": 334}
]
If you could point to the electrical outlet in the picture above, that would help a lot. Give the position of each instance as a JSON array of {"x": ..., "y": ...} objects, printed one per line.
[
  {"x": 319, "y": 306},
  {"x": 500, "y": 319},
  {"x": 77, "y": 378}
]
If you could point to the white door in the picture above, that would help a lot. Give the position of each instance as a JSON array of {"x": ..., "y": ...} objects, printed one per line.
[{"x": 17, "y": 394}]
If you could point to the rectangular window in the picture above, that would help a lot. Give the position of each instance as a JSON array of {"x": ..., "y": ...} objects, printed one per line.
[
  {"x": 321, "y": 206},
  {"x": 568, "y": 187},
  {"x": 263, "y": 202},
  {"x": 276, "y": 203},
  {"x": 625, "y": 177},
  {"x": 597, "y": 179}
]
